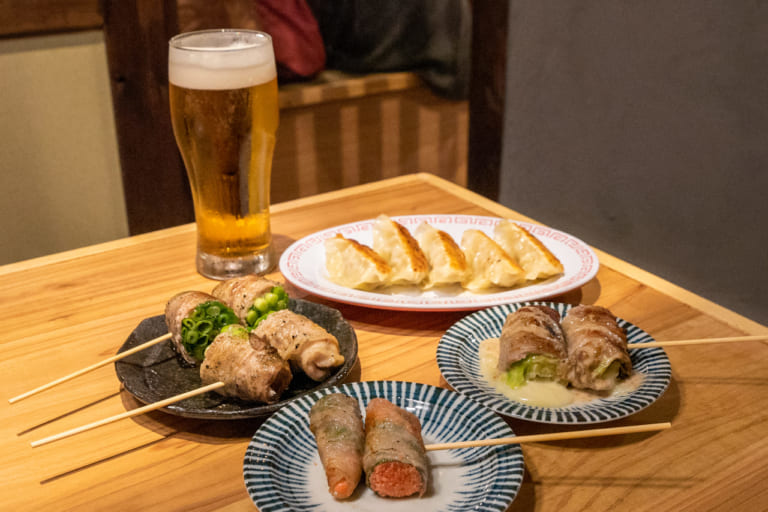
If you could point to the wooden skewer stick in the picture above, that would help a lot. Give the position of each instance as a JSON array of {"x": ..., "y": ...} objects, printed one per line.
[
  {"x": 699, "y": 341},
  {"x": 112, "y": 359},
  {"x": 557, "y": 436},
  {"x": 129, "y": 414}
]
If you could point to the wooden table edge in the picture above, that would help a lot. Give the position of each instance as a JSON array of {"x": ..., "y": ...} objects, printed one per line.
[{"x": 707, "y": 306}]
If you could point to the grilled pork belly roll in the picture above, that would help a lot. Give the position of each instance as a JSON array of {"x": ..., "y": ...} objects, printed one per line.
[
  {"x": 251, "y": 297},
  {"x": 597, "y": 348},
  {"x": 307, "y": 346},
  {"x": 194, "y": 319},
  {"x": 531, "y": 346},
  {"x": 337, "y": 424},
  {"x": 394, "y": 460},
  {"x": 250, "y": 369}
]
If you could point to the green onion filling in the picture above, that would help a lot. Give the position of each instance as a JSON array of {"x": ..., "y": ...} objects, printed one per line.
[
  {"x": 235, "y": 330},
  {"x": 274, "y": 300},
  {"x": 532, "y": 367},
  {"x": 338, "y": 433},
  {"x": 200, "y": 328}
]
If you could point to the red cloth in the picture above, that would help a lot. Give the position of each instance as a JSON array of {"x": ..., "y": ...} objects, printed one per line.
[{"x": 298, "y": 44}]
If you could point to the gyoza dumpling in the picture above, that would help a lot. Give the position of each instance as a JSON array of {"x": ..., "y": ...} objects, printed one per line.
[
  {"x": 537, "y": 261},
  {"x": 489, "y": 265},
  {"x": 395, "y": 244},
  {"x": 447, "y": 264},
  {"x": 354, "y": 265}
]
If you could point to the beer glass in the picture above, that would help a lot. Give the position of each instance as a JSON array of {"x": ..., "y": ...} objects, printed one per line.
[{"x": 224, "y": 111}]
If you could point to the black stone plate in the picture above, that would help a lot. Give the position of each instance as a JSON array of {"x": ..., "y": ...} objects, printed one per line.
[{"x": 155, "y": 373}]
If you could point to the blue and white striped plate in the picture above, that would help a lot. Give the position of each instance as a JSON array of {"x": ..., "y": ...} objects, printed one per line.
[
  {"x": 459, "y": 362},
  {"x": 283, "y": 472}
]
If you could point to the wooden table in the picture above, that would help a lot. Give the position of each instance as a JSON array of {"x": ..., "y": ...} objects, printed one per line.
[{"x": 66, "y": 311}]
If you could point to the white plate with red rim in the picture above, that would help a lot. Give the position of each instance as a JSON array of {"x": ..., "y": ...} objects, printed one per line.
[{"x": 303, "y": 265}]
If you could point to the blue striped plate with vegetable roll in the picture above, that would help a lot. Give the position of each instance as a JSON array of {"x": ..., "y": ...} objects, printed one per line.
[{"x": 459, "y": 362}]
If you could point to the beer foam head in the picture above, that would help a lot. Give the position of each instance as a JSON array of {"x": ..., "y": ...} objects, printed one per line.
[{"x": 221, "y": 59}]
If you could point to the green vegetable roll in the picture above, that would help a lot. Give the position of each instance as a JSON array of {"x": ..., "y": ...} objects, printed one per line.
[
  {"x": 531, "y": 346},
  {"x": 194, "y": 319},
  {"x": 597, "y": 348},
  {"x": 252, "y": 298}
]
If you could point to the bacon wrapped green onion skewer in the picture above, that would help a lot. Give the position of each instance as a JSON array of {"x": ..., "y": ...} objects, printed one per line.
[
  {"x": 194, "y": 319},
  {"x": 252, "y": 298}
]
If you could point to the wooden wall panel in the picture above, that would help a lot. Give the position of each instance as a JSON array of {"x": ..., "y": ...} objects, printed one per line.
[
  {"x": 34, "y": 17},
  {"x": 154, "y": 180},
  {"x": 327, "y": 146},
  {"x": 486, "y": 101}
]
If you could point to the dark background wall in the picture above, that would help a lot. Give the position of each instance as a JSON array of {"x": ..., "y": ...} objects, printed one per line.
[{"x": 642, "y": 128}]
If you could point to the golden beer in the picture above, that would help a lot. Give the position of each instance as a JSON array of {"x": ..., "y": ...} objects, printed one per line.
[{"x": 224, "y": 111}]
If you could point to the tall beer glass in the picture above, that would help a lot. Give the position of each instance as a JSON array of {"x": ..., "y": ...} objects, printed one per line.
[{"x": 224, "y": 111}]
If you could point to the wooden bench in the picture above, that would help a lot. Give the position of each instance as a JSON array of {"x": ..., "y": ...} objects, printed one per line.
[{"x": 342, "y": 130}]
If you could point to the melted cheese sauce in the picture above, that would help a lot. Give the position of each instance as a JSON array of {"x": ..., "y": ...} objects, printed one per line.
[{"x": 545, "y": 393}]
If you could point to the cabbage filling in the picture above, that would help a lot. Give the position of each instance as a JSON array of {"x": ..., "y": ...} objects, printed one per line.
[
  {"x": 532, "y": 367},
  {"x": 609, "y": 369}
]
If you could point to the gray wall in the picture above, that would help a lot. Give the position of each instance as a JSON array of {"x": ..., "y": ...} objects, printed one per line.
[{"x": 642, "y": 128}]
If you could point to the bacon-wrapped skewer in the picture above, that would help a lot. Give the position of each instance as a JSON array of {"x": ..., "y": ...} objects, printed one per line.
[
  {"x": 531, "y": 346},
  {"x": 251, "y": 297},
  {"x": 395, "y": 460},
  {"x": 337, "y": 424},
  {"x": 250, "y": 369},
  {"x": 597, "y": 348},
  {"x": 194, "y": 319},
  {"x": 305, "y": 345}
]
